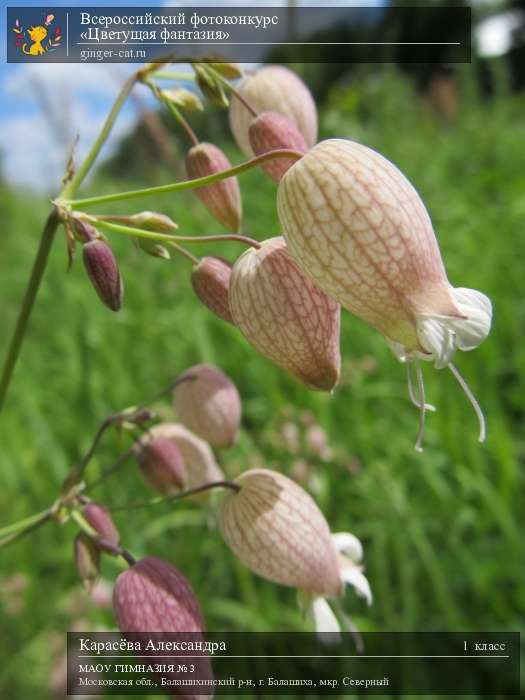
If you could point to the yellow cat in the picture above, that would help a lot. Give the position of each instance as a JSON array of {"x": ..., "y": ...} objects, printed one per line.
[{"x": 37, "y": 36}]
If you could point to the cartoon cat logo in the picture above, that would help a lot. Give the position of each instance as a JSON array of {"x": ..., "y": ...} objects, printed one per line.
[{"x": 32, "y": 41}]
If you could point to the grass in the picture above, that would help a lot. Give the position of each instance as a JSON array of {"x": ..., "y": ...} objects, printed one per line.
[{"x": 443, "y": 531}]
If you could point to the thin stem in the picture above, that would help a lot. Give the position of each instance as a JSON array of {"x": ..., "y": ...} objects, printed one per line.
[
  {"x": 233, "y": 90},
  {"x": 178, "y": 496},
  {"x": 110, "y": 470},
  {"x": 185, "y": 253},
  {"x": 172, "y": 75},
  {"x": 170, "y": 238},
  {"x": 175, "y": 113},
  {"x": 475, "y": 405},
  {"x": 24, "y": 314},
  {"x": 13, "y": 532},
  {"x": 86, "y": 166},
  {"x": 46, "y": 242},
  {"x": 186, "y": 184}
]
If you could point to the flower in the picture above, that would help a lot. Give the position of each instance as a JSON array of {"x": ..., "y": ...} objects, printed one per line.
[
  {"x": 273, "y": 89},
  {"x": 210, "y": 280},
  {"x": 102, "y": 269},
  {"x": 101, "y": 521},
  {"x": 199, "y": 461},
  {"x": 271, "y": 131},
  {"x": 162, "y": 465},
  {"x": 284, "y": 316},
  {"x": 276, "y": 529},
  {"x": 208, "y": 403},
  {"x": 223, "y": 198},
  {"x": 360, "y": 231},
  {"x": 153, "y": 596}
]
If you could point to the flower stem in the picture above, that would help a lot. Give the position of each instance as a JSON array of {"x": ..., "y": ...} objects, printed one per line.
[
  {"x": 39, "y": 266},
  {"x": 233, "y": 90},
  {"x": 186, "y": 184},
  {"x": 115, "y": 549},
  {"x": 46, "y": 242},
  {"x": 178, "y": 496},
  {"x": 86, "y": 166},
  {"x": 170, "y": 239},
  {"x": 15, "y": 531},
  {"x": 175, "y": 113},
  {"x": 172, "y": 75}
]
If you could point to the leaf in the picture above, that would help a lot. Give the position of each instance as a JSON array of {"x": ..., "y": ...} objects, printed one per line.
[{"x": 185, "y": 99}]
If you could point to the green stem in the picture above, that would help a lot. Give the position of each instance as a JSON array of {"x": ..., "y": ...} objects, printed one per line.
[
  {"x": 233, "y": 90},
  {"x": 172, "y": 75},
  {"x": 186, "y": 184},
  {"x": 86, "y": 166},
  {"x": 46, "y": 242},
  {"x": 178, "y": 496},
  {"x": 15, "y": 531},
  {"x": 175, "y": 113},
  {"x": 169, "y": 238},
  {"x": 39, "y": 266},
  {"x": 185, "y": 253}
]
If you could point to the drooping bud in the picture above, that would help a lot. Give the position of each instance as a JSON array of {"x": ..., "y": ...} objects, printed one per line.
[
  {"x": 149, "y": 221},
  {"x": 285, "y": 316},
  {"x": 83, "y": 230},
  {"x": 222, "y": 199},
  {"x": 274, "y": 89},
  {"x": 270, "y": 131},
  {"x": 199, "y": 460},
  {"x": 359, "y": 229},
  {"x": 102, "y": 269},
  {"x": 153, "y": 596},
  {"x": 276, "y": 529},
  {"x": 100, "y": 520},
  {"x": 210, "y": 279},
  {"x": 209, "y": 404},
  {"x": 185, "y": 99},
  {"x": 162, "y": 465},
  {"x": 87, "y": 560}
]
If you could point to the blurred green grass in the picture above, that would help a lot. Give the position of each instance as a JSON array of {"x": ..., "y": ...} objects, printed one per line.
[{"x": 443, "y": 531}]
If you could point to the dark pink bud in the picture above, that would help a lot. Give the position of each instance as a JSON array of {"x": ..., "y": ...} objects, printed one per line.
[
  {"x": 222, "y": 199},
  {"x": 102, "y": 269},
  {"x": 153, "y": 596},
  {"x": 271, "y": 131},
  {"x": 162, "y": 465},
  {"x": 87, "y": 560},
  {"x": 100, "y": 520},
  {"x": 84, "y": 231},
  {"x": 211, "y": 279}
]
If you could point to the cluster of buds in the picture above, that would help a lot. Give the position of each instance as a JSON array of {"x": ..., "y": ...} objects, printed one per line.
[
  {"x": 87, "y": 549},
  {"x": 176, "y": 457}
]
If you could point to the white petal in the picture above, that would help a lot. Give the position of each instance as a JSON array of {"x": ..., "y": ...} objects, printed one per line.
[
  {"x": 436, "y": 337},
  {"x": 355, "y": 577},
  {"x": 348, "y": 544},
  {"x": 325, "y": 621},
  {"x": 470, "y": 332}
]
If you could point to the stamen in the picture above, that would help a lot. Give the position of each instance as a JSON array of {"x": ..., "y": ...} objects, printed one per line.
[
  {"x": 475, "y": 405},
  {"x": 412, "y": 394},
  {"x": 422, "y": 408}
]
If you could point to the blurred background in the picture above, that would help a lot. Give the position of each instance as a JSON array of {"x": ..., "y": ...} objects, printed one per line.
[{"x": 442, "y": 531}]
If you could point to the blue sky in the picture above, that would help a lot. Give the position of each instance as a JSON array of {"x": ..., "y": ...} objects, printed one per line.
[{"x": 78, "y": 95}]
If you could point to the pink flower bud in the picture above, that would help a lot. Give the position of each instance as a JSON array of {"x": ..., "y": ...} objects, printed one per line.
[
  {"x": 162, "y": 465},
  {"x": 87, "y": 560},
  {"x": 102, "y": 269},
  {"x": 210, "y": 280},
  {"x": 208, "y": 403},
  {"x": 270, "y": 131},
  {"x": 153, "y": 596},
  {"x": 100, "y": 520},
  {"x": 222, "y": 199},
  {"x": 199, "y": 460},
  {"x": 359, "y": 229},
  {"x": 275, "y": 528},
  {"x": 274, "y": 89},
  {"x": 285, "y": 316}
]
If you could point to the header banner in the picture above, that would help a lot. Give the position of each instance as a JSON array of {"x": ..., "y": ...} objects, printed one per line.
[{"x": 239, "y": 34}]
